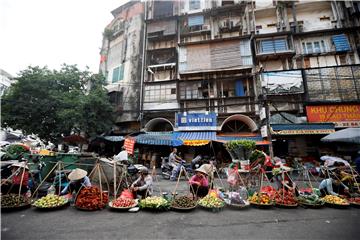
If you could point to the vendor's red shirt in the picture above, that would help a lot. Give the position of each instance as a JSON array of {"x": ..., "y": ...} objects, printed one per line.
[{"x": 16, "y": 179}]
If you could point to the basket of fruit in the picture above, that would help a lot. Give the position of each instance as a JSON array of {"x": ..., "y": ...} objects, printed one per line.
[
  {"x": 183, "y": 203},
  {"x": 51, "y": 202},
  {"x": 210, "y": 202},
  {"x": 285, "y": 199},
  {"x": 155, "y": 204},
  {"x": 234, "y": 200},
  {"x": 310, "y": 200},
  {"x": 91, "y": 199},
  {"x": 262, "y": 201},
  {"x": 335, "y": 201},
  {"x": 122, "y": 204},
  {"x": 354, "y": 201},
  {"x": 11, "y": 202}
]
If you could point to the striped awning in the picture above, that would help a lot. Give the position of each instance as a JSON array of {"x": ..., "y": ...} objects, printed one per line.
[
  {"x": 158, "y": 138},
  {"x": 195, "y": 138}
]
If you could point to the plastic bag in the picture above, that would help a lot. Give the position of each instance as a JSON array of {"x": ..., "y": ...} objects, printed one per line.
[
  {"x": 127, "y": 194},
  {"x": 233, "y": 176}
]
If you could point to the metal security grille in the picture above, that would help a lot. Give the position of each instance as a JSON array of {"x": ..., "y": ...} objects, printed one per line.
[{"x": 333, "y": 83}]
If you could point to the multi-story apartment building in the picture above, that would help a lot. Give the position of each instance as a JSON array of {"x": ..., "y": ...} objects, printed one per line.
[
  {"x": 232, "y": 58},
  {"x": 121, "y": 63}
]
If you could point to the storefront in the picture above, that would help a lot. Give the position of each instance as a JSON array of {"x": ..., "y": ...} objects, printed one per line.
[
  {"x": 299, "y": 140},
  {"x": 342, "y": 115}
]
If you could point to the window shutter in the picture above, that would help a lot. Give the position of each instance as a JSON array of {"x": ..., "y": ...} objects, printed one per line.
[
  {"x": 115, "y": 76},
  {"x": 341, "y": 42},
  {"x": 196, "y": 20}
]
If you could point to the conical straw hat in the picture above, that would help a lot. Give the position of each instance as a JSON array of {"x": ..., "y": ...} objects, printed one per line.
[{"x": 77, "y": 174}]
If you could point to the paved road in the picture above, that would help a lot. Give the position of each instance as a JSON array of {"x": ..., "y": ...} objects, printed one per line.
[{"x": 252, "y": 223}]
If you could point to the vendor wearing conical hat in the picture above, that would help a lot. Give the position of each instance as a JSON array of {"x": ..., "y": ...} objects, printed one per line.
[
  {"x": 78, "y": 178},
  {"x": 19, "y": 177},
  {"x": 199, "y": 184}
]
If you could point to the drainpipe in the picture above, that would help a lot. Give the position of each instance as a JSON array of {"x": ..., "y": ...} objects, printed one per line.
[{"x": 143, "y": 68}]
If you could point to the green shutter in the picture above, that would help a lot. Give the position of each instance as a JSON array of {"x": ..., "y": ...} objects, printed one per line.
[
  {"x": 121, "y": 72},
  {"x": 115, "y": 76}
]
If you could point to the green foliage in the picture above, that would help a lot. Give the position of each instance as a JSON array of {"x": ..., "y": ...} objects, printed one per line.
[
  {"x": 255, "y": 155},
  {"x": 240, "y": 149},
  {"x": 246, "y": 144},
  {"x": 55, "y": 103}
]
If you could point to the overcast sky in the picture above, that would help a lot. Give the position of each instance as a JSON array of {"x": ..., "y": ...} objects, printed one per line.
[{"x": 52, "y": 32}]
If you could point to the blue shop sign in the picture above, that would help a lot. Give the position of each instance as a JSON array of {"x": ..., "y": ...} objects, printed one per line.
[{"x": 196, "y": 121}]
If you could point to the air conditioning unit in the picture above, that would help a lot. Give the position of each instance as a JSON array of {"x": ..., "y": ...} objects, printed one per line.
[{"x": 206, "y": 27}]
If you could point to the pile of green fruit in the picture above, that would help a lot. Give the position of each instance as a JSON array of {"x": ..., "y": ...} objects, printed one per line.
[
  {"x": 311, "y": 199},
  {"x": 13, "y": 200},
  {"x": 158, "y": 203},
  {"x": 183, "y": 202},
  {"x": 50, "y": 201},
  {"x": 211, "y": 202}
]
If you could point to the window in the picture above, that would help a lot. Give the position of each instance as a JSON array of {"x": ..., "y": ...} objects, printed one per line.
[
  {"x": 273, "y": 45},
  {"x": 309, "y": 47},
  {"x": 194, "y": 4},
  {"x": 317, "y": 48},
  {"x": 196, "y": 20},
  {"x": 118, "y": 74},
  {"x": 325, "y": 18},
  {"x": 271, "y": 25},
  {"x": 314, "y": 47},
  {"x": 159, "y": 93}
]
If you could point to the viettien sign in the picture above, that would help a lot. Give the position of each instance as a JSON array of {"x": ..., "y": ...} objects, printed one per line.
[
  {"x": 129, "y": 144},
  {"x": 196, "y": 121},
  {"x": 343, "y": 115}
]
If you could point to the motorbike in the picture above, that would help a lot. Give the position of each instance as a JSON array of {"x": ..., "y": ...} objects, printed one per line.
[{"x": 167, "y": 169}]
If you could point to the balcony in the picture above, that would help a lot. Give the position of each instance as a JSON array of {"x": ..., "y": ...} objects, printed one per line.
[
  {"x": 229, "y": 26},
  {"x": 162, "y": 56}
]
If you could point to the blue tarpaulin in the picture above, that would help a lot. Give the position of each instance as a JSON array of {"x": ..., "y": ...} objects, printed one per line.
[{"x": 158, "y": 138}]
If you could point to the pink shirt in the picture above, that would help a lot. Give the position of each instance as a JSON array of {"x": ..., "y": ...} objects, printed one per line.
[{"x": 203, "y": 180}]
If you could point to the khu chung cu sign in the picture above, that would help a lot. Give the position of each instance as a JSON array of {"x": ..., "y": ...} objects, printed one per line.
[{"x": 196, "y": 121}]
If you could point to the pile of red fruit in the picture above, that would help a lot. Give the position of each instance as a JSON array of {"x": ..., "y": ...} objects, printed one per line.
[
  {"x": 91, "y": 198},
  {"x": 355, "y": 200},
  {"x": 285, "y": 197},
  {"x": 123, "y": 202}
]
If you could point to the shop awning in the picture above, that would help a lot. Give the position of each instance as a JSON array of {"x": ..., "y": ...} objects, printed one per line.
[
  {"x": 158, "y": 138},
  {"x": 302, "y": 129},
  {"x": 195, "y": 138},
  {"x": 226, "y": 138}
]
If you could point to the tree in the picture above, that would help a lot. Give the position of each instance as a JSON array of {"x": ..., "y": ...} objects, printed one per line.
[{"x": 53, "y": 104}]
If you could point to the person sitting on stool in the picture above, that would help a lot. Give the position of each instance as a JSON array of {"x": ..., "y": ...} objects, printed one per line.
[
  {"x": 143, "y": 186},
  {"x": 199, "y": 184}
]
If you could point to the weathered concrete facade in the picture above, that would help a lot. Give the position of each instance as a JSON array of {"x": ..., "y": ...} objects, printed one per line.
[
  {"x": 121, "y": 63},
  {"x": 225, "y": 56}
]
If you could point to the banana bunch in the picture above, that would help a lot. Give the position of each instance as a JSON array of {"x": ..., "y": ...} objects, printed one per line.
[
  {"x": 154, "y": 202},
  {"x": 50, "y": 201},
  {"x": 335, "y": 200}
]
